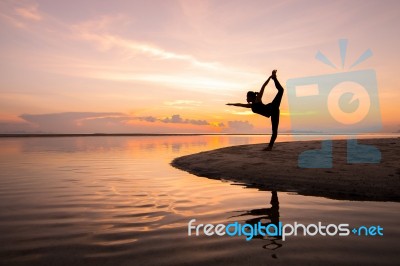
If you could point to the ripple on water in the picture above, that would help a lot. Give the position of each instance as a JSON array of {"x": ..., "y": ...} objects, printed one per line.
[{"x": 118, "y": 201}]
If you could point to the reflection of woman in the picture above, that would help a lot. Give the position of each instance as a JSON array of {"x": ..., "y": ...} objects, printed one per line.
[
  {"x": 271, "y": 213},
  {"x": 261, "y": 215},
  {"x": 268, "y": 110},
  {"x": 274, "y": 215}
]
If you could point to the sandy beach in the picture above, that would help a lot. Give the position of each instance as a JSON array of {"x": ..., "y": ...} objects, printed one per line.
[{"x": 279, "y": 170}]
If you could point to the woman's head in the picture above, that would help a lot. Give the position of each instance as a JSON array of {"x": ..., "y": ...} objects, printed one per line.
[{"x": 251, "y": 96}]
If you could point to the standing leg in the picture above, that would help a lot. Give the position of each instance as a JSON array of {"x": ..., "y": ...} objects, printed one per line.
[
  {"x": 275, "y": 124},
  {"x": 275, "y": 113}
]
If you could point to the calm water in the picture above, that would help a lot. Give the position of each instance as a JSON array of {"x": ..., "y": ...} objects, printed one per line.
[{"x": 117, "y": 200}]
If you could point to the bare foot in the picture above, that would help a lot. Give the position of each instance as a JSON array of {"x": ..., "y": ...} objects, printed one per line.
[
  {"x": 274, "y": 73},
  {"x": 267, "y": 149}
]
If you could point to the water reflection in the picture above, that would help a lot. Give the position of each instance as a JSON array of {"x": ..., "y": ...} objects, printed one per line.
[
  {"x": 265, "y": 216},
  {"x": 95, "y": 200},
  {"x": 86, "y": 144}
]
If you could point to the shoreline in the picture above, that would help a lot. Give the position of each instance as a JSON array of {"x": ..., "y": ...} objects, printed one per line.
[{"x": 278, "y": 169}]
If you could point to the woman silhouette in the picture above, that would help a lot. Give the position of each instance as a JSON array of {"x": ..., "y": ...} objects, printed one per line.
[{"x": 268, "y": 110}]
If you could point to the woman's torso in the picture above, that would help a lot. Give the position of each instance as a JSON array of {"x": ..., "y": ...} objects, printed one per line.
[{"x": 263, "y": 109}]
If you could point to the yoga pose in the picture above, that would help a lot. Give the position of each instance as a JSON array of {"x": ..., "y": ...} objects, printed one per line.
[{"x": 268, "y": 110}]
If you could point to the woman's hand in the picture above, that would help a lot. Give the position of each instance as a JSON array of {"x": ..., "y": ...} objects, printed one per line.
[
  {"x": 274, "y": 73},
  {"x": 247, "y": 105}
]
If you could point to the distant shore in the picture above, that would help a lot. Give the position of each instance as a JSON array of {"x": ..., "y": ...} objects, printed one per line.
[
  {"x": 28, "y": 135},
  {"x": 278, "y": 169}
]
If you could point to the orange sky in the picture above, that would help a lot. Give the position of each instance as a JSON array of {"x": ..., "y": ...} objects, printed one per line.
[{"x": 170, "y": 66}]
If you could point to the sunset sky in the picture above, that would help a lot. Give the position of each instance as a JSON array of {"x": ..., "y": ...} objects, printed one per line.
[{"x": 170, "y": 66}]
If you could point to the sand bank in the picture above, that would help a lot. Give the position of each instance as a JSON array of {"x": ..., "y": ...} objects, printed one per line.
[{"x": 279, "y": 170}]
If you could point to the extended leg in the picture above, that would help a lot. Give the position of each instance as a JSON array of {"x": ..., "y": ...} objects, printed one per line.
[{"x": 277, "y": 100}]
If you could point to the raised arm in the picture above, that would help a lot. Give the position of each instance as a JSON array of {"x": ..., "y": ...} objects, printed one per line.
[
  {"x": 259, "y": 96},
  {"x": 247, "y": 105}
]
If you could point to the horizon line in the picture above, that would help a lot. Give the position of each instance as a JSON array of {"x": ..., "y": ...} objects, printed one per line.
[{"x": 27, "y": 135}]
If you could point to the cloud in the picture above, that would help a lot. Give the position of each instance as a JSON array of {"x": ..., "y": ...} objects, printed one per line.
[
  {"x": 147, "y": 118},
  {"x": 174, "y": 119},
  {"x": 158, "y": 64},
  {"x": 71, "y": 121},
  {"x": 29, "y": 12},
  {"x": 97, "y": 32},
  {"x": 121, "y": 55},
  {"x": 10, "y": 127},
  {"x": 67, "y": 116},
  {"x": 246, "y": 112},
  {"x": 19, "y": 14},
  {"x": 179, "y": 120},
  {"x": 239, "y": 126},
  {"x": 183, "y": 103},
  {"x": 105, "y": 122}
]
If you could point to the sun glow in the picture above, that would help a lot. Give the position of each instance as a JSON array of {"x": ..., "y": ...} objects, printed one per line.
[{"x": 179, "y": 59}]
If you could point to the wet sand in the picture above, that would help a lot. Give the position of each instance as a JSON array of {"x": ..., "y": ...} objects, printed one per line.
[{"x": 278, "y": 169}]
